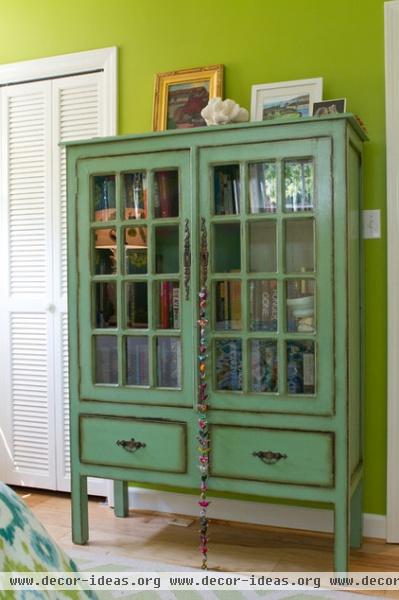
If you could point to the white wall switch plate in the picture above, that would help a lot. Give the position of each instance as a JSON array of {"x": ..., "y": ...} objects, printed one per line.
[{"x": 371, "y": 224}]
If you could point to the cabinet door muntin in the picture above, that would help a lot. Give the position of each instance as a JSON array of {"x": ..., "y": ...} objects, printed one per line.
[
  {"x": 131, "y": 305},
  {"x": 277, "y": 248}
]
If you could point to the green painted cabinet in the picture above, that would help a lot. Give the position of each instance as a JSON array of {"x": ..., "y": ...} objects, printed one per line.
[{"x": 280, "y": 202}]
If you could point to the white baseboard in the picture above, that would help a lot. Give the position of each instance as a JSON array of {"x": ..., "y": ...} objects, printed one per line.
[{"x": 259, "y": 513}]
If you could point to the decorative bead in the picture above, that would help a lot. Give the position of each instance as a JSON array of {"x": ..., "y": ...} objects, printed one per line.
[{"x": 204, "y": 503}]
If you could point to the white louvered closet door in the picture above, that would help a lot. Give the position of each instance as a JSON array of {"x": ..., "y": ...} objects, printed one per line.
[{"x": 34, "y": 415}]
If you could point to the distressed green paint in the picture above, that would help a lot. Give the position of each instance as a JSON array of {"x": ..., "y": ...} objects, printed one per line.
[
  {"x": 301, "y": 447},
  {"x": 258, "y": 42},
  {"x": 164, "y": 443},
  {"x": 313, "y": 430}
]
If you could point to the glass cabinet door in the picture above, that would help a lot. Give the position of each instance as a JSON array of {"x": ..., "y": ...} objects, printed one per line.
[
  {"x": 134, "y": 226},
  {"x": 268, "y": 213}
]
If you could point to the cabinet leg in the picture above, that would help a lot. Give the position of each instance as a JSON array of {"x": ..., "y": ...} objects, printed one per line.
[
  {"x": 341, "y": 537},
  {"x": 80, "y": 520},
  {"x": 121, "y": 499},
  {"x": 357, "y": 517}
]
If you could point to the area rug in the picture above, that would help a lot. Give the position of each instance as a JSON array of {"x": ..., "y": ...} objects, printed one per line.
[{"x": 89, "y": 559}]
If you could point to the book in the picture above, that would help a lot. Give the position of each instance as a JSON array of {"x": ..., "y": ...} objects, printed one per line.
[
  {"x": 137, "y": 361},
  {"x": 226, "y": 180},
  {"x": 137, "y": 305},
  {"x": 263, "y": 366},
  {"x": 228, "y": 364},
  {"x": 300, "y": 367},
  {"x": 176, "y": 307},
  {"x": 166, "y": 197}
]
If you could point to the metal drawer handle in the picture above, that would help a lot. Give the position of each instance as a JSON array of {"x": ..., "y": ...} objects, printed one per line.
[
  {"x": 130, "y": 445},
  {"x": 269, "y": 457}
]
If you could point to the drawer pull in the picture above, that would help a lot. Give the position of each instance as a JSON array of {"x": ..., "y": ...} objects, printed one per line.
[
  {"x": 130, "y": 445},
  {"x": 269, "y": 457}
]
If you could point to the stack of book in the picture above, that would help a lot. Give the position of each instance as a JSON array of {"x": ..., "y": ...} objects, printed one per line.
[
  {"x": 264, "y": 305},
  {"x": 228, "y": 305},
  {"x": 137, "y": 361},
  {"x": 300, "y": 367},
  {"x": 263, "y": 366},
  {"x": 228, "y": 364},
  {"x": 262, "y": 187},
  {"x": 227, "y": 189},
  {"x": 169, "y": 313}
]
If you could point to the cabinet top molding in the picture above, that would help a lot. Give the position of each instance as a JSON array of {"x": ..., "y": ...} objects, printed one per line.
[{"x": 349, "y": 117}]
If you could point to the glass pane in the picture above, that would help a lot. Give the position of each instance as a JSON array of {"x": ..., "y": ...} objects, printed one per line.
[
  {"x": 106, "y": 358},
  {"x": 136, "y": 250},
  {"x": 263, "y": 305},
  {"x": 137, "y": 361},
  {"x": 104, "y": 197},
  {"x": 228, "y": 364},
  {"x": 136, "y": 304},
  {"x": 228, "y": 305},
  {"x": 262, "y": 187},
  {"x": 299, "y": 245},
  {"x": 298, "y": 185},
  {"x": 262, "y": 247},
  {"x": 227, "y": 248},
  {"x": 105, "y": 304},
  {"x": 264, "y": 366},
  {"x": 226, "y": 182},
  {"x": 169, "y": 362},
  {"x": 135, "y": 195},
  {"x": 168, "y": 302},
  {"x": 166, "y": 194},
  {"x": 167, "y": 249},
  {"x": 105, "y": 251},
  {"x": 300, "y": 367},
  {"x": 300, "y": 305}
]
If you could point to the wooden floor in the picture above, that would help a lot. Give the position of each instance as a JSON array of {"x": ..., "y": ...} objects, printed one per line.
[{"x": 232, "y": 546}]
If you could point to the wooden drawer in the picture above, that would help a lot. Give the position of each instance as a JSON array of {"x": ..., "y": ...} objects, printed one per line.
[
  {"x": 165, "y": 443},
  {"x": 309, "y": 455}
]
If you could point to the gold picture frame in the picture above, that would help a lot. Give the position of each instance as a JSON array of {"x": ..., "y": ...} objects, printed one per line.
[{"x": 181, "y": 95}]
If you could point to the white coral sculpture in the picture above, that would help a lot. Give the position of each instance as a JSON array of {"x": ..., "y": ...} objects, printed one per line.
[{"x": 221, "y": 112}]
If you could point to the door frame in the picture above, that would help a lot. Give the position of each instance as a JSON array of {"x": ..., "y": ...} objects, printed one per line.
[
  {"x": 102, "y": 61},
  {"x": 391, "y": 10}
]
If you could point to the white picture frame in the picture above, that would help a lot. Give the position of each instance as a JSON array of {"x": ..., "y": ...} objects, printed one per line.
[{"x": 285, "y": 99}]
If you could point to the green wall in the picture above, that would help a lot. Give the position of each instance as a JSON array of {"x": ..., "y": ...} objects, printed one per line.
[{"x": 258, "y": 41}]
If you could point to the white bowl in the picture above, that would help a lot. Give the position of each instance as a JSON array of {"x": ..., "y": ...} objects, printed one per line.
[{"x": 301, "y": 303}]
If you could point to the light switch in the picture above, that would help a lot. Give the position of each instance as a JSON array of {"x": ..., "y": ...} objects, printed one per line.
[{"x": 371, "y": 224}]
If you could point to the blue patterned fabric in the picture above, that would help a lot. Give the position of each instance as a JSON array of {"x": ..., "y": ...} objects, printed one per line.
[{"x": 26, "y": 546}]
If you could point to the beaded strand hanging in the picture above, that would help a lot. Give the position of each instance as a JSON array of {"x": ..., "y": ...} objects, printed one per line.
[{"x": 202, "y": 405}]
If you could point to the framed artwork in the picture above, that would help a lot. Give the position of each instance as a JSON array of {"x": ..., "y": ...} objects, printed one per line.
[
  {"x": 329, "y": 107},
  {"x": 181, "y": 95},
  {"x": 287, "y": 99}
]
